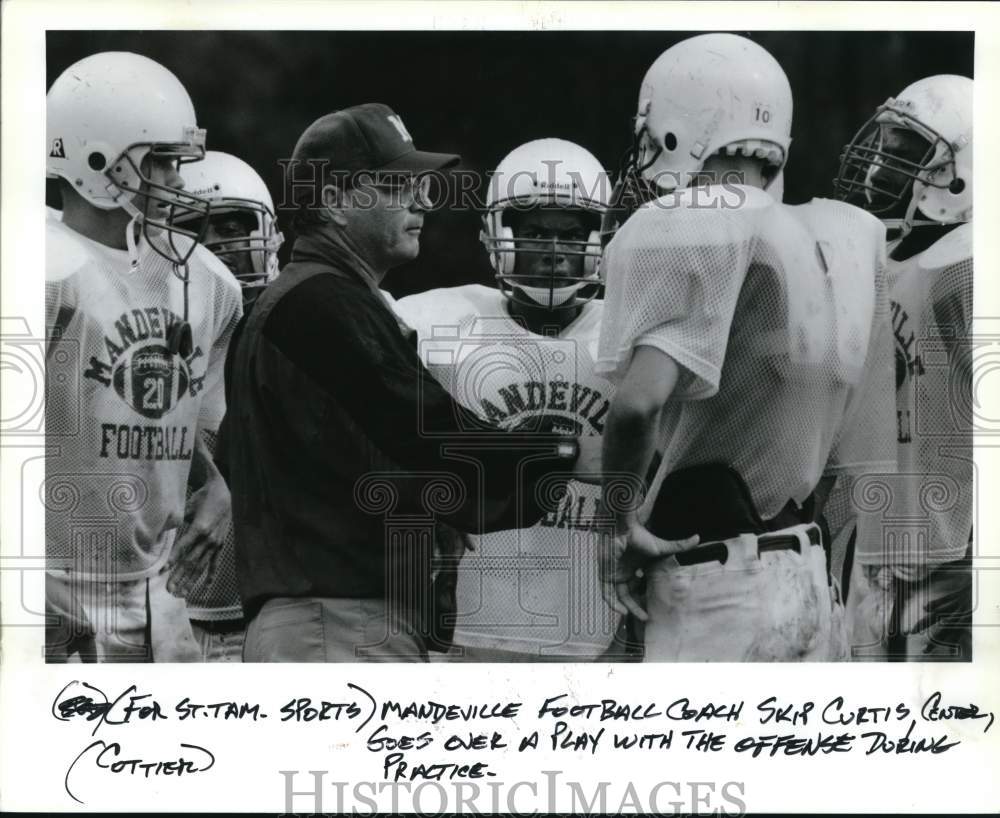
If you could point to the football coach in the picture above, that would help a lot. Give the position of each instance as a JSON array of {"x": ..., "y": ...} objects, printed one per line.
[{"x": 332, "y": 403}]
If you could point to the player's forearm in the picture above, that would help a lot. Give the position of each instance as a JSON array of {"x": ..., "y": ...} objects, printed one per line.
[
  {"x": 203, "y": 468},
  {"x": 630, "y": 435},
  {"x": 822, "y": 492},
  {"x": 628, "y": 449}
]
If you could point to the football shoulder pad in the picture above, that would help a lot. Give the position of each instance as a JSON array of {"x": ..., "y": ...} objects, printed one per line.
[
  {"x": 66, "y": 253},
  {"x": 216, "y": 269},
  {"x": 951, "y": 249},
  {"x": 705, "y": 216},
  {"x": 448, "y": 306}
]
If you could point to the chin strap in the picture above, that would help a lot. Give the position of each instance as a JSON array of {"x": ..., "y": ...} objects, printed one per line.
[
  {"x": 133, "y": 253},
  {"x": 180, "y": 337},
  {"x": 125, "y": 200},
  {"x": 899, "y": 229},
  {"x": 910, "y": 220}
]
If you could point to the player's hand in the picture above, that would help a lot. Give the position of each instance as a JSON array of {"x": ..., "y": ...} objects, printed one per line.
[
  {"x": 614, "y": 570},
  {"x": 950, "y": 613},
  {"x": 633, "y": 550},
  {"x": 207, "y": 518}
]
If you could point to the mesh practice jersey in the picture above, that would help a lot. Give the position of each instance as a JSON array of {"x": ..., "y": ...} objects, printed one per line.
[
  {"x": 122, "y": 409},
  {"x": 777, "y": 316},
  {"x": 922, "y": 516},
  {"x": 533, "y": 590},
  {"x": 218, "y": 600}
]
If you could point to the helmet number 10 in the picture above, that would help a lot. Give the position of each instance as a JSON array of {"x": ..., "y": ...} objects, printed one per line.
[{"x": 761, "y": 114}]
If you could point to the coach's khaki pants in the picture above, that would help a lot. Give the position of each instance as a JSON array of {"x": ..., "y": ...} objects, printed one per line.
[{"x": 313, "y": 629}]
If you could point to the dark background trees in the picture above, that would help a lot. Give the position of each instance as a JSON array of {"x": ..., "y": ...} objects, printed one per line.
[{"x": 481, "y": 94}]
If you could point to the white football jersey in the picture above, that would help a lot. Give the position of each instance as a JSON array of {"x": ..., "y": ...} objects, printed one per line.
[
  {"x": 923, "y": 515},
  {"x": 533, "y": 591},
  {"x": 778, "y": 318},
  {"x": 122, "y": 409}
]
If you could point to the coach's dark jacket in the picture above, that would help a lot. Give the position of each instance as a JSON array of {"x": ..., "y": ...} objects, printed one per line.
[{"x": 337, "y": 430}]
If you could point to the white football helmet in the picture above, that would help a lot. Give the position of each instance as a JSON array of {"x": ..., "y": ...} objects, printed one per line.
[
  {"x": 704, "y": 95},
  {"x": 938, "y": 110},
  {"x": 105, "y": 114},
  {"x": 229, "y": 184},
  {"x": 545, "y": 173}
]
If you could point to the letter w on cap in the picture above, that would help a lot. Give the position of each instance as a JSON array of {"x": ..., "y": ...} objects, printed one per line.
[{"x": 397, "y": 123}]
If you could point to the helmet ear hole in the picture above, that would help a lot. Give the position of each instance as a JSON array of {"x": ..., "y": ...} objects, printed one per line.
[
  {"x": 96, "y": 161},
  {"x": 957, "y": 186},
  {"x": 670, "y": 141}
]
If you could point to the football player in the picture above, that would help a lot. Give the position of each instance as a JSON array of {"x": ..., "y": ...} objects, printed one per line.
[
  {"x": 141, "y": 315},
  {"x": 911, "y": 165},
  {"x": 512, "y": 353},
  {"x": 741, "y": 333},
  {"x": 242, "y": 230},
  {"x": 243, "y": 234}
]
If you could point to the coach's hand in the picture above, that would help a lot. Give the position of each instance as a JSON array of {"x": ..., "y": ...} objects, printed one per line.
[
  {"x": 632, "y": 551},
  {"x": 206, "y": 523}
]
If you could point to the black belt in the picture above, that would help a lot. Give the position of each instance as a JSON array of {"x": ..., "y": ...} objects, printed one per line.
[
  {"x": 719, "y": 551},
  {"x": 220, "y": 625}
]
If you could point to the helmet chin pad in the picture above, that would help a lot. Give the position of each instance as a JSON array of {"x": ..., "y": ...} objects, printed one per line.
[{"x": 551, "y": 297}]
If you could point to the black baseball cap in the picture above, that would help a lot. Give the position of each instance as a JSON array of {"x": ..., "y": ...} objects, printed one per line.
[{"x": 370, "y": 138}]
